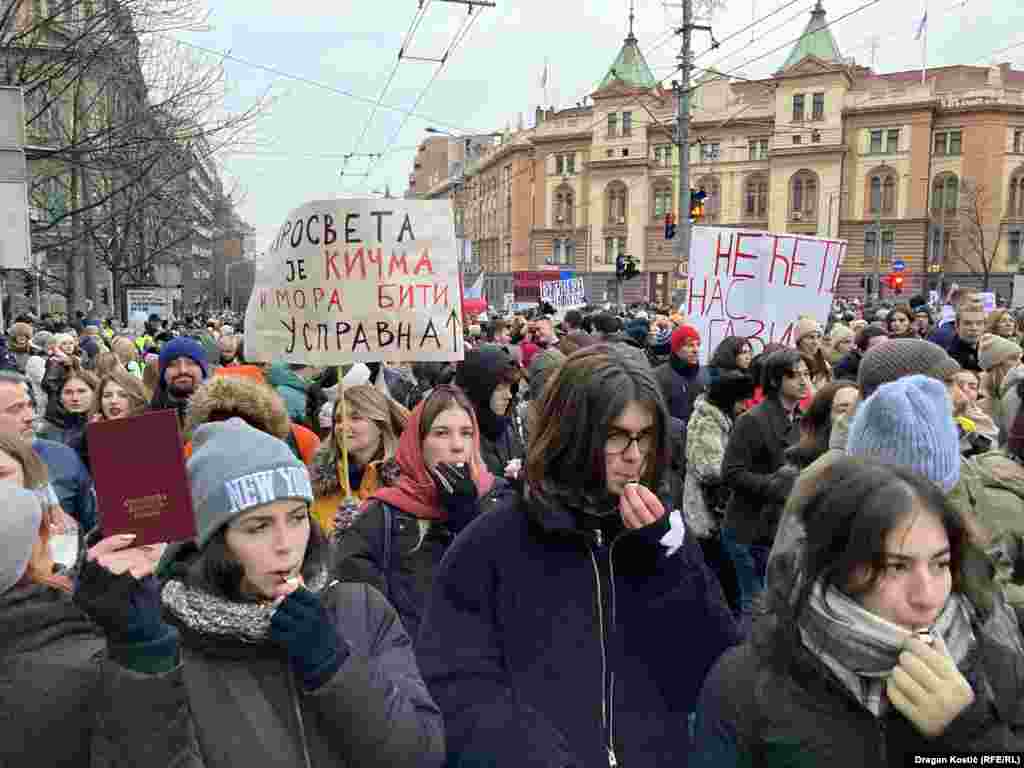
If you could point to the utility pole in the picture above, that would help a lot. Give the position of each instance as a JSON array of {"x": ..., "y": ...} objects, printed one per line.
[
  {"x": 878, "y": 253},
  {"x": 682, "y": 88}
]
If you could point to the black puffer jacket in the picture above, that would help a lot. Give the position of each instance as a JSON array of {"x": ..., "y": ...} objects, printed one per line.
[
  {"x": 479, "y": 375},
  {"x": 750, "y": 714},
  {"x": 63, "y": 704}
]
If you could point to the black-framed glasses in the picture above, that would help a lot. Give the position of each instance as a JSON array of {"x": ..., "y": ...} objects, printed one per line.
[{"x": 619, "y": 442}]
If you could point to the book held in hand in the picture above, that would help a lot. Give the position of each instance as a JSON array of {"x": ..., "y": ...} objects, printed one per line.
[{"x": 138, "y": 465}]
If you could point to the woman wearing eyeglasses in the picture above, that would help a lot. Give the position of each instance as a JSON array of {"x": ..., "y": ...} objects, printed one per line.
[{"x": 574, "y": 627}]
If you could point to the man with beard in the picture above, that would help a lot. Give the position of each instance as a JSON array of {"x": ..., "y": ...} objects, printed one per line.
[{"x": 183, "y": 367}]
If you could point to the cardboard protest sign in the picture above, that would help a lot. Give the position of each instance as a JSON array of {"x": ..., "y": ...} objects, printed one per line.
[
  {"x": 359, "y": 281},
  {"x": 756, "y": 284},
  {"x": 564, "y": 293}
]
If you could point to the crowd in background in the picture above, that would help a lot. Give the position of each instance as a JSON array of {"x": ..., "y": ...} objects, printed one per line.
[{"x": 579, "y": 546}]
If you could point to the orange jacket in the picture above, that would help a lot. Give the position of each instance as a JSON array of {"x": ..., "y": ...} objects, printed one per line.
[{"x": 305, "y": 439}]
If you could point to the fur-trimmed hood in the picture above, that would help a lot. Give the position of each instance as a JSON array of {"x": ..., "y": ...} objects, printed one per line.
[{"x": 255, "y": 403}]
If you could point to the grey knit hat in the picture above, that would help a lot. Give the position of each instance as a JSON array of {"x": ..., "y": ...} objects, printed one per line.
[
  {"x": 543, "y": 367},
  {"x": 235, "y": 468},
  {"x": 19, "y": 529},
  {"x": 993, "y": 350},
  {"x": 896, "y": 358}
]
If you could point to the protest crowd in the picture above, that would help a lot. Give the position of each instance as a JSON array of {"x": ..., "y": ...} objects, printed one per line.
[{"x": 581, "y": 545}]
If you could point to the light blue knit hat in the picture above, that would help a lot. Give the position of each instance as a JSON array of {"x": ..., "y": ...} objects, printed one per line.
[{"x": 909, "y": 422}]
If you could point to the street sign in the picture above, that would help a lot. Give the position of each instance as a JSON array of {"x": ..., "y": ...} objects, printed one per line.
[{"x": 899, "y": 265}]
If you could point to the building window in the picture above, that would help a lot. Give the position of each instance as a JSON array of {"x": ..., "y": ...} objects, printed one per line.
[
  {"x": 882, "y": 193},
  {"x": 798, "y": 107},
  {"x": 803, "y": 196},
  {"x": 892, "y": 141},
  {"x": 713, "y": 201},
  {"x": 564, "y": 207},
  {"x": 945, "y": 193},
  {"x": 757, "y": 197},
  {"x": 662, "y": 202},
  {"x": 565, "y": 165},
  {"x": 1018, "y": 141},
  {"x": 613, "y": 125},
  {"x": 1014, "y": 241},
  {"x": 616, "y": 203},
  {"x": 663, "y": 155},
  {"x": 870, "y": 247},
  {"x": 613, "y": 248},
  {"x": 609, "y": 153},
  {"x": 875, "y": 147},
  {"x": 888, "y": 247},
  {"x": 758, "y": 149},
  {"x": 797, "y": 139},
  {"x": 625, "y": 151},
  {"x": 1016, "y": 209},
  {"x": 948, "y": 142},
  {"x": 507, "y": 266},
  {"x": 818, "y": 107},
  {"x": 627, "y": 123},
  {"x": 710, "y": 152}
]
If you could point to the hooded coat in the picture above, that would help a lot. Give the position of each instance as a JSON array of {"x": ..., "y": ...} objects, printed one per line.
[
  {"x": 555, "y": 637},
  {"x": 479, "y": 375},
  {"x": 291, "y": 387},
  {"x": 420, "y": 530},
  {"x": 227, "y": 395},
  {"x": 1001, "y": 513}
]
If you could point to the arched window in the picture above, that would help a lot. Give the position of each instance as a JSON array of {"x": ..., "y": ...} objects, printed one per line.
[
  {"x": 663, "y": 198},
  {"x": 564, "y": 207},
  {"x": 756, "y": 195},
  {"x": 1016, "y": 208},
  {"x": 615, "y": 203},
  {"x": 713, "y": 202},
  {"x": 803, "y": 195},
  {"x": 945, "y": 193},
  {"x": 882, "y": 192}
]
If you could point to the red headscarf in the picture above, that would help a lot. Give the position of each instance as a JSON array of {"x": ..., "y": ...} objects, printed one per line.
[{"x": 416, "y": 493}]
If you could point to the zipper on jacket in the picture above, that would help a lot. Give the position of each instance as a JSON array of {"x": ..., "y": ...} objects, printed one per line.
[
  {"x": 293, "y": 689},
  {"x": 607, "y": 701}
]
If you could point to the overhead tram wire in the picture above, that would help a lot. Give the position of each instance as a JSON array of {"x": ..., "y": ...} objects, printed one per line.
[{"x": 417, "y": 18}]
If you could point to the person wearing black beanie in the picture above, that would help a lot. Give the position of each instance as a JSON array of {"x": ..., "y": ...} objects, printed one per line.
[{"x": 489, "y": 377}]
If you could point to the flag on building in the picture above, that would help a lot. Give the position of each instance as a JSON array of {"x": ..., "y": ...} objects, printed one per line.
[
  {"x": 921, "y": 26},
  {"x": 544, "y": 76}
]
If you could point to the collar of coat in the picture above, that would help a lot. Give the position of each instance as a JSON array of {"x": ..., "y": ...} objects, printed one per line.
[{"x": 323, "y": 471}]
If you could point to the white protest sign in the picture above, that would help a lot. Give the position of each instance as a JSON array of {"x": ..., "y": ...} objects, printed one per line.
[
  {"x": 756, "y": 284},
  {"x": 143, "y": 302},
  {"x": 988, "y": 301},
  {"x": 359, "y": 281},
  {"x": 564, "y": 293}
]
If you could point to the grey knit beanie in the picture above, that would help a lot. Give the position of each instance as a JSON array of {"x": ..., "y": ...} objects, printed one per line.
[
  {"x": 896, "y": 358},
  {"x": 234, "y": 468},
  {"x": 19, "y": 529},
  {"x": 543, "y": 367},
  {"x": 909, "y": 422}
]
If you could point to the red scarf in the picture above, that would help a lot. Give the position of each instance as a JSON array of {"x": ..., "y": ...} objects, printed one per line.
[{"x": 416, "y": 493}]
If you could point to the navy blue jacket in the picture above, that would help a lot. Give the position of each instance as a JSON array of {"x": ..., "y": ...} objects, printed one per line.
[
  {"x": 543, "y": 644},
  {"x": 71, "y": 481}
]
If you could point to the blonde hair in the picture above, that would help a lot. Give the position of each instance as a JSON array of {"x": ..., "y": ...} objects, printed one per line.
[
  {"x": 389, "y": 416},
  {"x": 105, "y": 363},
  {"x": 137, "y": 399},
  {"x": 124, "y": 343}
]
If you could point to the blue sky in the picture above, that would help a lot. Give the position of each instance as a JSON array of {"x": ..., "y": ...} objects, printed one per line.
[{"x": 494, "y": 75}]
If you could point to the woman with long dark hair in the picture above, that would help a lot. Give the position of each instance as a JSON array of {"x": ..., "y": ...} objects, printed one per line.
[
  {"x": 559, "y": 627},
  {"x": 896, "y": 642}
]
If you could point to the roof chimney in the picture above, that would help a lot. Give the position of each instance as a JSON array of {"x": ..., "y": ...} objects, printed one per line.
[{"x": 538, "y": 116}]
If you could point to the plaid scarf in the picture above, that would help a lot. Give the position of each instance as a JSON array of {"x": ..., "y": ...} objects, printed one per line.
[
  {"x": 209, "y": 614},
  {"x": 862, "y": 649}
]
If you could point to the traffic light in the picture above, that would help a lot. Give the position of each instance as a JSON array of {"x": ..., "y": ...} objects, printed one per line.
[
  {"x": 631, "y": 270},
  {"x": 697, "y": 203},
  {"x": 897, "y": 283},
  {"x": 620, "y": 267},
  {"x": 670, "y": 225}
]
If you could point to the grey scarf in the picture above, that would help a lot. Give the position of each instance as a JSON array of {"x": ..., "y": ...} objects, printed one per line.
[
  {"x": 862, "y": 649},
  {"x": 210, "y": 614}
]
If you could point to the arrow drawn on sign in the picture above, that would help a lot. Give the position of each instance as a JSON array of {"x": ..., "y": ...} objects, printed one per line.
[{"x": 453, "y": 324}]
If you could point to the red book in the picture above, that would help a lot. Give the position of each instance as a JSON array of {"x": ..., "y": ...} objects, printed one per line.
[{"x": 138, "y": 465}]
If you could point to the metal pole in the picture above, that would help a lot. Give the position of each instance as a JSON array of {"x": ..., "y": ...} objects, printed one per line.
[
  {"x": 878, "y": 253},
  {"x": 684, "y": 227}
]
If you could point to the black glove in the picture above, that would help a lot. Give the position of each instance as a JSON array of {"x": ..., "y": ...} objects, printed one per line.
[
  {"x": 457, "y": 493},
  {"x": 302, "y": 626},
  {"x": 125, "y": 608}
]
